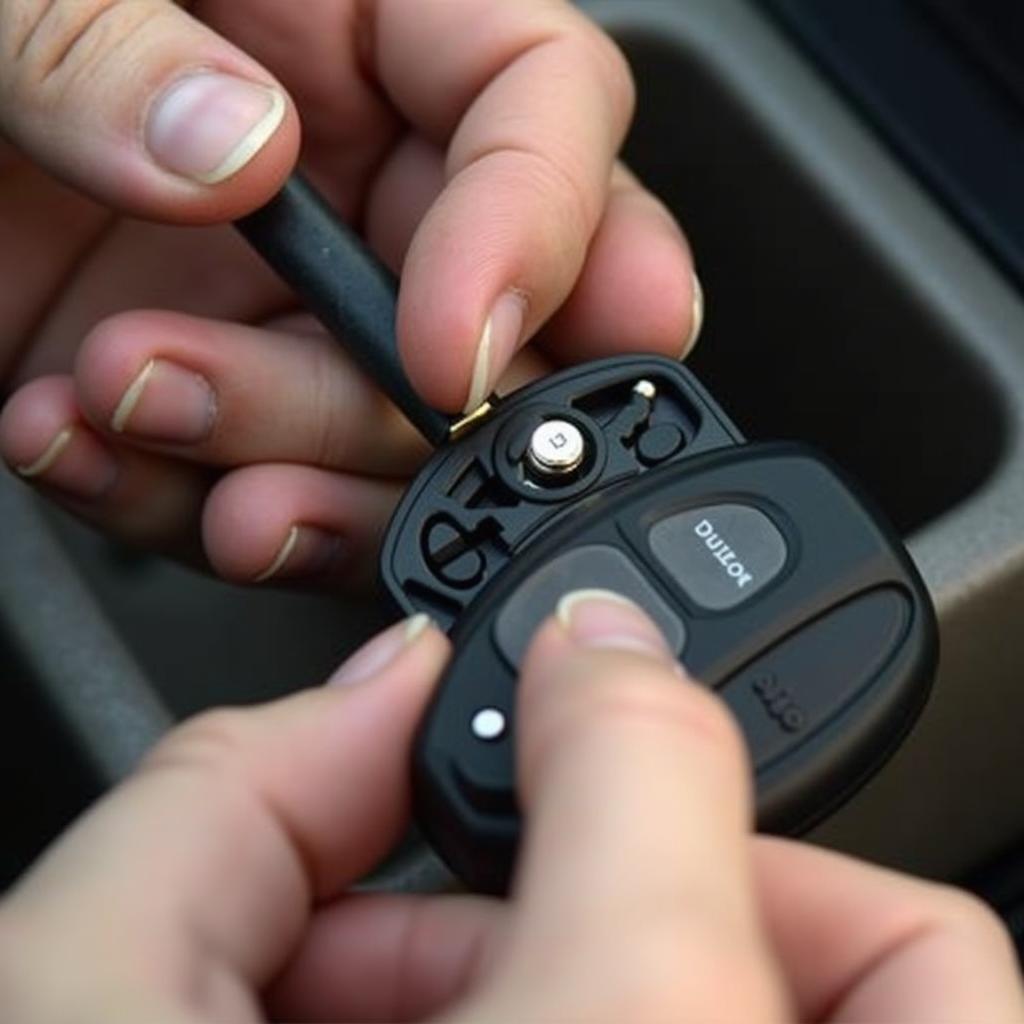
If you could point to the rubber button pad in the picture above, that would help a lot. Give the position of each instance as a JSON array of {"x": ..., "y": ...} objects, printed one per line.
[
  {"x": 719, "y": 555},
  {"x": 599, "y": 566}
]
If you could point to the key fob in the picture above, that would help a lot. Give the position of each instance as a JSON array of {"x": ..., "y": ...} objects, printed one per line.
[{"x": 777, "y": 582}]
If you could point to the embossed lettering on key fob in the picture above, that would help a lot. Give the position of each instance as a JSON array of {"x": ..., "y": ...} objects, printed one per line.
[{"x": 777, "y": 582}]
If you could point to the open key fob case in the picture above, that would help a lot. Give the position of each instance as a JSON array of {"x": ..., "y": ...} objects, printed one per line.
[{"x": 776, "y": 580}]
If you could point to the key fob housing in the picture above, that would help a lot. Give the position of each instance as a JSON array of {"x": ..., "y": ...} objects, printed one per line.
[{"x": 777, "y": 581}]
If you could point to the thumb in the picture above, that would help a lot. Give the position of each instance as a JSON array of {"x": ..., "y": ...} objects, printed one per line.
[
  {"x": 139, "y": 105},
  {"x": 192, "y": 882}
]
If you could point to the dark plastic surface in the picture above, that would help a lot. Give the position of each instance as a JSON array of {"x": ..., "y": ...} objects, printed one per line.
[
  {"x": 472, "y": 507},
  {"x": 989, "y": 32},
  {"x": 826, "y": 668},
  {"x": 782, "y": 693},
  {"x": 942, "y": 87},
  {"x": 1001, "y": 883},
  {"x": 812, "y": 331},
  {"x": 340, "y": 281}
]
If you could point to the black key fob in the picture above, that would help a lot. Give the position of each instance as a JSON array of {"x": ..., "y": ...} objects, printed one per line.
[{"x": 778, "y": 583}]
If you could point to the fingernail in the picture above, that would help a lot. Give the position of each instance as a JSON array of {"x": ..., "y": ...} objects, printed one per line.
[
  {"x": 602, "y": 618},
  {"x": 307, "y": 553},
  {"x": 208, "y": 126},
  {"x": 497, "y": 345},
  {"x": 166, "y": 402},
  {"x": 697, "y": 315},
  {"x": 74, "y": 462},
  {"x": 49, "y": 456},
  {"x": 378, "y": 653}
]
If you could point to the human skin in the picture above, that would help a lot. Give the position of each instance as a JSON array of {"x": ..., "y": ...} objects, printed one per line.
[
  {"x": 213, "y": 886},
  {"x": 165, "y": 387}
]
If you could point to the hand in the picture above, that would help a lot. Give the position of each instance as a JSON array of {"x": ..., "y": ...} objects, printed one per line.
[
  {"x": 212, "y": 886},
  {"x": 473, "y": 142}
]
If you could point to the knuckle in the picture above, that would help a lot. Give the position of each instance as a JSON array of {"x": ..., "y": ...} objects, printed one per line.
[
  {"x": 324, "y": 418},
  {"x": 650, "y": 693},
  {"x": 700, "y": 710},
  {"x": 60, "y": 41},
  {"x": 561, "y": 188},
  {"x": 213, "y": 744},
  {"x": 623, "y": 694},
  {"x": 51, "y": 31},
  {"x": 668, "y": 976},
  {"x": 568, "y": 187},
  {"x": 730, "y": 975},
  {"x": 614, "y": 70},
  {"x": 971, "y": 916}
]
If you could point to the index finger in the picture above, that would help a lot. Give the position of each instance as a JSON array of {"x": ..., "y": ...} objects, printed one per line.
[
  {"x": 532, "y": 102},
  {"x": 637, "y": 798}
]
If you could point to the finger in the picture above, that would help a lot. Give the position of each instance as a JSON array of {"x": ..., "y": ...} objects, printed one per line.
[
  {"x": 142, "y": 107},
  {"x": 134, "y": 496},
  {"x": 208, "y": 272},
  {"x": 636, "y": 793},
  {"x": 276, "y": 523},
  {"x": 229, "y": 395},
  {"x": 192, "y": 882},
  {"x": 317, "y": 50},
  {"x": 44, "y": 230},
  {"x": 387, "y": 958},
  {"x": 528, "y": 170},
  {"x": 637, "y": 292},
  {"x": 406, "y": 185},
  {"x": 857, "y": 942},
  {"x": 260, "y": 523}
]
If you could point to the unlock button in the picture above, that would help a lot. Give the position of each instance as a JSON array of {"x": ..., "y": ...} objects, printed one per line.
[{"x": 720, "y": 555}]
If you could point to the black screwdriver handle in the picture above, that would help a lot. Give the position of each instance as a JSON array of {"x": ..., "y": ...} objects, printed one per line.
[{"x": 344, "y": 285}]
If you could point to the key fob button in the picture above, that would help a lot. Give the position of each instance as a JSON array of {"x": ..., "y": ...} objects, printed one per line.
[
  {"x": 659, "y": 444},
  {"x": 801, "y": 684},
  {"x": 593, "y": 565},
  {"x": 719, "y": 555}
]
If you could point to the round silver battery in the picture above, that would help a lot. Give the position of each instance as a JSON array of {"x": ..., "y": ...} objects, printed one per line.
[{"x": 557, "y": 447}]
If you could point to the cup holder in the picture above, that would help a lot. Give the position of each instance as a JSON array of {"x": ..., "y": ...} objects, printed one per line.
[{"x": 811, "y": 332}]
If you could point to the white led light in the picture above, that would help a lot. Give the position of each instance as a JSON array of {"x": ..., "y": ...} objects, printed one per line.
[{"x": 488, "y": 724}]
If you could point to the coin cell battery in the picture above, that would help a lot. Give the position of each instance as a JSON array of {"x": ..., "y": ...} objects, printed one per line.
[{"x": 557, "y": 448}]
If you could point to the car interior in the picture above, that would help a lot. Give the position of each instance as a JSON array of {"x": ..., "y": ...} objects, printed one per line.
[{"x": 848, "y": 176}]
